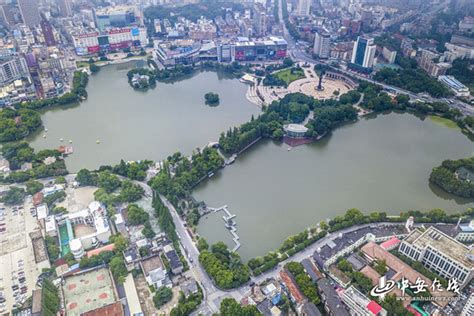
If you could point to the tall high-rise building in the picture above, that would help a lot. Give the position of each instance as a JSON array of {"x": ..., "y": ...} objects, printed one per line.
[
  {"x": 303, "y": 7},
  {"x": 364, "y": 52},
  {"x": 29, "y": 12},
  {"x": 12, "y": 68},
  {"x": 65, "y": 7},
  {"x": 48, "y": 33},
  {"x": 3, "y": 17},
  {"x": 322, "y": 44},
  {"x": 117, "y": 16},
  {"x": 10, "y": 14},
  {"x": 260, "y": 20}
]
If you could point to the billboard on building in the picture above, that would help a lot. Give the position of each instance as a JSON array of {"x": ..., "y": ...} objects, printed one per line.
[
  {"x": 80, "y": 51},
  {"x": 93, "y": 49}
]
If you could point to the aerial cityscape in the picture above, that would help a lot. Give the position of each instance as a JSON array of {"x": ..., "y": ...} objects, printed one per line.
[{"x": 237, "y": 157}]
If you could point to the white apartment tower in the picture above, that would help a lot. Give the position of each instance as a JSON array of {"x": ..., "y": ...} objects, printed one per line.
[
  {"x": 322, "y": 44},
  {"x": 29, "y": 12},
  {"x": 303, "y": 7}
]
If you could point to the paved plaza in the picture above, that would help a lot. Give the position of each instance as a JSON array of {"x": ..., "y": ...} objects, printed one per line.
[{"x": 305, "y": 85}]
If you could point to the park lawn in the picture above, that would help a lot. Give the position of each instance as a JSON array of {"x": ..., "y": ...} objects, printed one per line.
[
  {"x": 444, "y": 121},
  {"x": 82, "y": 64},
  {"x": 291, "y": 74}
]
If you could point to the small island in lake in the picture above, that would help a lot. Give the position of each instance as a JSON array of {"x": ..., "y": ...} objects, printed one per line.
[
  {"x": 455, "y": 176},
  {"x": 212, "y": 99}
]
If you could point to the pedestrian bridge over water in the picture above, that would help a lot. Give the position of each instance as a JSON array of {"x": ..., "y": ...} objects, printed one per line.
[{"x": 230, "y": 223}]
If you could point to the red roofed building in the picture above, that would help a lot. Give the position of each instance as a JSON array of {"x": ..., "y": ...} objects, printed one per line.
[
  {"x": 95, "y": 252},
  {"x": 390, "y": 244},
  {"x": 374, "y": 308},
  {"x": 37, "y": 198},
  {"x": 295, "y": 293},
  {"x": 114, "y": 309}
]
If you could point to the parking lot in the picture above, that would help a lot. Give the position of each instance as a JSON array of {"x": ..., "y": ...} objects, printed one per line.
[{"x": 19, "y": 272}]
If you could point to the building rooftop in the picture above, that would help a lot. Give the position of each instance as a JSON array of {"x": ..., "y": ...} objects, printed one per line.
[
  {"x": 39, "y": 247},
  {"x": 356, "y": 261},
  {"x": 341, "y": 241},
  {"x": 95, "y": 252},
  {"x": 114, "y": 309},
  {"x": 374, "y": 308},
  {"x": 50, "y": 224},
  {"x": 292, "y": 288},
  {"x": 131, "y": 254},
  {"x": 264, "y": 307},
  {"x": 117, "y": 9},
  {"x": 173, "y": 258},
  {"x": 334, "y": 303},
  {"x": 88, "y": 291},
  {"x": 390, "y": 243},
  {"x": 465, "y": 174},
  {"x": 467, "y": 228},
  {"x": 374, "y": 276},
  {"x": 119, "y": 219},
  {"x": 41, "y": 211},
  {"x": 311, "y": 269},
  {"x": 296, "y": 128},
  {"x": 151, "y": 264},
  {"x": 356, "y": 297},
  {"x": 401, "y": 269},
  {"x": 189, "y": 287},
  {"x": 309, "y": 309},
  {"x": 132, "y": 296},
  {"x": 438, "y": 240},
  {"x": 452, "y": 82},
  {"x": 36, "y": 307}
]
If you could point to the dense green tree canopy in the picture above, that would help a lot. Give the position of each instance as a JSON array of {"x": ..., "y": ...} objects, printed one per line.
[
  {"x": 446, "y": 176},
  {"x": 414, "y": 80},
  {"x": 17, "y": 154},
  {"x": 224, "y": 266},
  {"x": 307, "y": 287},
  {"x": 130, "y": 192},
  {"x": 162, "y": 296},
  {"x": 136, "y": 215},
  {"x": 118, "y": 268},
  {"x": 108, "y": 181},
  {"x": 148, "y": 231},
  {"x": 50, "y": 300},
  {"x": 13, "y": 196},
  {"x": 86, "y": 178},
  {"x": 33, "y": 186},
  {"x": 211, "y": 99},
  {"x": 230, "y": 307}
]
